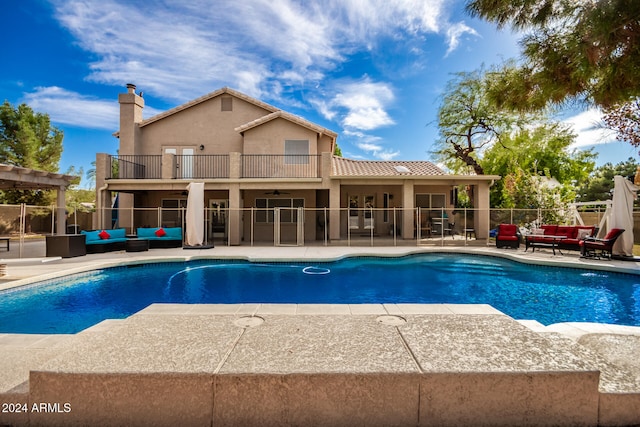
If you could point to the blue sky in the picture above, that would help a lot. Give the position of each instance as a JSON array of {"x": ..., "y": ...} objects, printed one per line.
[{"x": 371, "y": 70}]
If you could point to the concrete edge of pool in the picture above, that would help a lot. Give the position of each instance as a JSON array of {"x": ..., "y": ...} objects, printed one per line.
[{"x": 288, "y": 364}]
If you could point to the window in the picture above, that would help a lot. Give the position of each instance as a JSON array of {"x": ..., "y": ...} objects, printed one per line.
[
  {"x": 430, "y": 201},
  {"x": 264, "y": 212},
  {"x": 226, "y": 103},
  {"x": 297, "y": 151}
]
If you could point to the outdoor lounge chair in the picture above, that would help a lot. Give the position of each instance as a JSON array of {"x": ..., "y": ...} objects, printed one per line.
[
  {"x": 600, "y": 248},
  {"x": 508, "y": 235}
]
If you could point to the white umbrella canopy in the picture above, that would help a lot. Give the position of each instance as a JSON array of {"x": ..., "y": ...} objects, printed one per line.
[
  {"x": 195, "y": 214},
  {"x": 624, "y": 194}
]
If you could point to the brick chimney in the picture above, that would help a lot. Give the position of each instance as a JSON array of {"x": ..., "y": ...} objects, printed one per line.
[{"x": 131, "y": 106}]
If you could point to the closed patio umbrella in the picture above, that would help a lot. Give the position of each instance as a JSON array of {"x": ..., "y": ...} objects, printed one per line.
[
  {"x": 195, "y": 214},
  {"x": 624, "y": 194}
]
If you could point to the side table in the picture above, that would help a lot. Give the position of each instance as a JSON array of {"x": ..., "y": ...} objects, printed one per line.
[
  {"x": 137, "y": 245},
  {"x": 66, "y": 245}
]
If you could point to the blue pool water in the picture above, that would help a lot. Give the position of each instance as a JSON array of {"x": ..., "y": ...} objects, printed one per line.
[{"x": 549, "y": 295}]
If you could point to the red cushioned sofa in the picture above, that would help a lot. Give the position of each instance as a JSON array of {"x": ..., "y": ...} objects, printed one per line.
[{"x": 573, "y": 233}]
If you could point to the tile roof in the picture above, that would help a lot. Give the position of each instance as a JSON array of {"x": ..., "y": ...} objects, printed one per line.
[{"x": 355, "y": 168}]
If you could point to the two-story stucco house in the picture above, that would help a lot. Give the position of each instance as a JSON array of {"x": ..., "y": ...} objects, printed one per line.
[{"x": 269, "y": 176}]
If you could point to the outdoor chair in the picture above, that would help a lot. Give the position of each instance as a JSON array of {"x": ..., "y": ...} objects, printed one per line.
[
  {"x": 508, "y": 235},
  {"x": 592, "y": 247}
]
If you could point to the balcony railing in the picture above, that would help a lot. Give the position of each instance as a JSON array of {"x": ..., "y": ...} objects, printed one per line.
[
  {"x": 136, "y": 167},
  {"x": 215, "y": 166},
  {"x": 202, "y": 166},
  {"x": 280, "y": 166}
]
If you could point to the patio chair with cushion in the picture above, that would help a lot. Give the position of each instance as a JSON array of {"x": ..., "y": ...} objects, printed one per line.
[
  {"x": 508, "y": 235},
  {"x": 600, "y": 248}
]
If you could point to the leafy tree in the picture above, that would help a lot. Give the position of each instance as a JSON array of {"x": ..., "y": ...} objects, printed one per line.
[
  {"x": 75, "y": 197},
  {"x": 28, "y": 139},
  {"x": 91, "y": 174},
  {"x": 625, "y": 121},
  {"x": 572, "y": 49},
  {"x": 469, "y": 122},
  {"x": 337, "y": 151},
  {"x": 539, "y": 150},
  {"x": 600, "y": 183},
  {"x": 523, "y": 190},
  {"x": 77, "y": 173}
]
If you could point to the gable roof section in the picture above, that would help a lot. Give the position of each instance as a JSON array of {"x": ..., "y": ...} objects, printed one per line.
[
  {"x": 224, "y": 90},
  {"x": 372, "y": 168},
  {"x": 286, "y": 116}
]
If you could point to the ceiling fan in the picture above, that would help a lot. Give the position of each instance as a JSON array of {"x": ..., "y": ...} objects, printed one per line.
[{"x": 276, "y": 192}]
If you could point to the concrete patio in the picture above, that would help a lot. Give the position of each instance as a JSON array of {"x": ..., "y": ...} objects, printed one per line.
[{"x": 264, "y": 364}]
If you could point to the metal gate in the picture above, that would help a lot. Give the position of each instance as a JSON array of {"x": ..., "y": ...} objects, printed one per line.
[{"x": 288, "y": 226}]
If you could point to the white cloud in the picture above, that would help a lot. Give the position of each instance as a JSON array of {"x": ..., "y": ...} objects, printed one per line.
[
  {"x": 455, "y": 32},
  {"x": 388, "y": 155},
  {"x": 377, "y": 151},
  {"x": 72, "y": 108},
  {"x": 175, "y": 48},
  {"x": 589, "y": 130},
  {"x": 75, "y": 109},
  {"x": 367, "y": 146},
  {"x": 370, "y": 144},
  {"x": 359, "y": 105},
  {"x": 361, "y": 136},
  {"x": 323, "y": 108}
]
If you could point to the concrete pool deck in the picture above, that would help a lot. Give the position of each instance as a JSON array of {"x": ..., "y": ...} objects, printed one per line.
[{"x": 371, "y": 364}]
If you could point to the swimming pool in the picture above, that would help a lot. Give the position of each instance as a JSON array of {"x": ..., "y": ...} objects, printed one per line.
[{"x": 547, "y": 294}]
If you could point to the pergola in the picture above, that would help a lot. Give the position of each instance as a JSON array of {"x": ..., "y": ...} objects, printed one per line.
[{"x": 19, "y": 178}]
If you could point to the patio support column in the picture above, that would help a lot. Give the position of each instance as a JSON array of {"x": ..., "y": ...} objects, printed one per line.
[
  {"x": 103, "y": 196},
  {"x": 235, "y": 165},
  {"x": 125, "y": 204},
  {"x": 481, "y": 218},
  {"x": 234, "y": 214},
  {"x": 408, "y": 200},
  {"x": 168, "y": 166},
  {"x": 334, "y": 210},
  {"x": 61, "y": 217}
]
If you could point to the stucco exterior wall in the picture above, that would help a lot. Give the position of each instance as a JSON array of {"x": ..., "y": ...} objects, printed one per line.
[
  {"x": 202, "y": 124},
  {"x": 325, "y": 144},
  {"x": 269, "y": 138}
]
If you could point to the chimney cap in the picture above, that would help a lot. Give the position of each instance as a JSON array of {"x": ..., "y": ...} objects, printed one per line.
[{"x": 131, "y": 88}]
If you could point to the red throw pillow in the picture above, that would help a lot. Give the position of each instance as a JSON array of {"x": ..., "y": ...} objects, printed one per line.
[
  {"x": 104, "y": 235},
  {"x": 160, "y": 232}
]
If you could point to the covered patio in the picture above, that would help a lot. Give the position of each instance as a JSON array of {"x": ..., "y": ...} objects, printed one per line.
[{"x": 19, "y": 178}]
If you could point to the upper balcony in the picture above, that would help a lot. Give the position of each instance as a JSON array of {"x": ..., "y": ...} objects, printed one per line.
[{"x": 214, "y": 166}]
